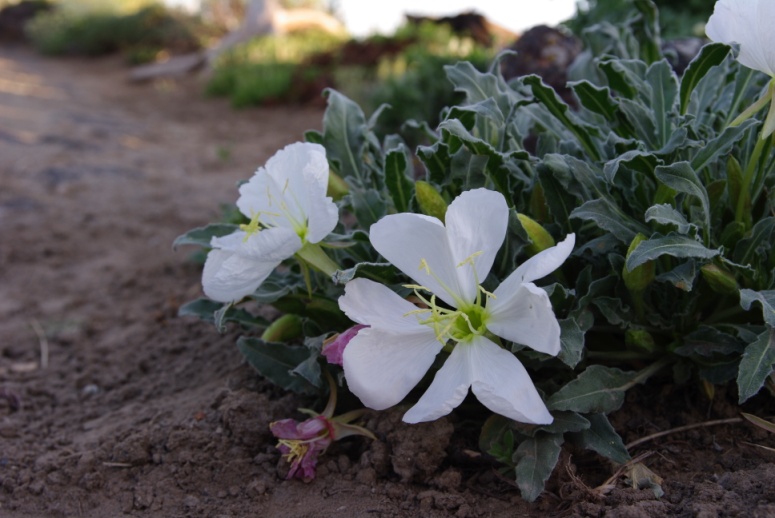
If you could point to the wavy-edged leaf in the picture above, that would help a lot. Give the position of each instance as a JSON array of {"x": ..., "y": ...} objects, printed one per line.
[
  {"x": 664, "y": 90},
  {"x": 673, "y": 244},
  {"x": 682, "y": 178},
  {"x": 766, "y": 298},
  {"x": 608, "y": 216},
  {"x": 666, "y": 215},
  {"x": 760, "y": 239},
  {"x": 571, "y": 342},
  {"x": 601, "y": 437},
  {"x": 721, "y": 144},
  {"x": 595, "y": 99},
  {"x": 682, "y": 276},
  {"x": 385, "y": 273},
  {"x": 756, "y": 365},
  {"x": 598, "y": 389},
  {"x": 710, "y": 55},
  {"x": 557, "y": 107},
  {"x": 536, "y": 458},
  {"x": 206, "y": 309}
]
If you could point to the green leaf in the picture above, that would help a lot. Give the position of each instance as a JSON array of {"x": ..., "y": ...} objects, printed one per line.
[
  {"x": 682, "y": 178},
  {"x": 398, "y": 177},
  {"x": 664, "y": 88},
  {"x": 478, "y": 86},
  {"x": 344, "y": 126},
  {"x": 766, "y": 298},
  {"x": 436, "y": 159},
  {"x": 205, "y": 309},
  {"x": 625, "y": 76},
  {"x": 201, "y": 236},
  {"x": 595, "y": 99},
  {"x": 756, "y": 365},
  {"x": 557, "y": 107},
  {"x": 598, "y": 389},
  {"x": 368, "y": 205},
  {"x": 608, "y": 216},
  {"x": 565, "y": 422},
  {"x": 673, "y": 244},
  {"x": 721, "y": 145},
  {"x": 760, "y": 240},
  {"x": 384, "y": 273},
  {"x": 571, "y": 342},
  {"x": 603, "y": 439},
  {"x": 536, "y": 458},
  {"x": 682, "y": 276},
  {"x": 666, "y": 215},
  {"x": 710, "y": 56},
  {"x": 276, "y": 361}
]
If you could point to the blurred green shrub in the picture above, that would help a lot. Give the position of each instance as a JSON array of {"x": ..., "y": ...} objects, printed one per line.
[{"x": 78, "y": 29}]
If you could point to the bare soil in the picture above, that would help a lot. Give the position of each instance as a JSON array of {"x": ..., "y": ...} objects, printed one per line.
[{"x": 112, "y": 405}]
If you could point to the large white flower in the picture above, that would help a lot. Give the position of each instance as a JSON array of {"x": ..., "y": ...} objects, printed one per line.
[
  {"x": 748, "y": 23},
  {"x": 383, "y": 362},
  {"x": 288, "y": 208}
]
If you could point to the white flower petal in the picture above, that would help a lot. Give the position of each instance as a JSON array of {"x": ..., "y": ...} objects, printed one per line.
[
  {"x": 540, "y": 265},
  {"x": 476, "y": 221},
  {"x": 271, "y": 244},
  {"x": 382, "y": 367},
  {"x": 229, "y": 276},
  {"x": 748, "y": 23},
  {"x": 525, "y": 316},
  {"x": 406, "y": 239},
  {"x": 448, "y": 389},
  {"x": 503, "y": 385},
  {"x": 370, "y": 303},
  {"x": 323, "y": 217}
]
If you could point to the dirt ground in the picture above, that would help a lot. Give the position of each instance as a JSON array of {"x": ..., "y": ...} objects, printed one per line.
[{"x": 111, "y": 405}]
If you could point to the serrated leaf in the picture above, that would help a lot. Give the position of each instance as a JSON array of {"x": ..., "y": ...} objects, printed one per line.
[
  {"x": 436, "y": 159},
  {"x": 276, "y": 361},
  {"x": 398, "y": 177},
  {"x": 478, "y": 86},
  {"x": 201, "y": 236},
  {"x": 756, "y": 365},
  {"x": 666, "y": 215},
  {"x": 536, "y": 458},
  {"x": 710, "y": 55},
  {"x": 601, "y": 437},
  {"x": 673, "y": 244},
  {"x": 640, "y": 161},
  {"x": 598, "y": 389},
  {"x": 766, "y": 298}
]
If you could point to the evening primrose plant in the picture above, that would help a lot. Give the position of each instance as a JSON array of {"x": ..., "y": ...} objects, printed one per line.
[{"x": 547, "y": 257}]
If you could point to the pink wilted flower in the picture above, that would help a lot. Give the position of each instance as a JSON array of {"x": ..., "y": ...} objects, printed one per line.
[
  {"x": 333, "y": 348},
  {"x": 301, "y": 442}
]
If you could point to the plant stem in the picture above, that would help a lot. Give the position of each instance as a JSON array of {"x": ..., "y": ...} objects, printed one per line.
[{"x": 750, "y": 171}]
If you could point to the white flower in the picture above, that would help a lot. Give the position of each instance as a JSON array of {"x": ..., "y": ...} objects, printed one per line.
[
  {"x": 383, "y": 362},
  {"x": 748, "y": 23},
  {"x": 288, "y": 208}
]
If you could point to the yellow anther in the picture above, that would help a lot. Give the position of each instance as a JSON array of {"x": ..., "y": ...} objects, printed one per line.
[
  {"x": 253, "y": 227},
  {"x": 470, "y": 259},
  {"x": 297, "y": 448},
  {"x": 424, "y": 266}
]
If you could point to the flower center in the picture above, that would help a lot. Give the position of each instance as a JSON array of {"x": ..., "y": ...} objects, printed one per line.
[
  {"x": 296, "y": 449},
  {"x": 456, "y": 325}
]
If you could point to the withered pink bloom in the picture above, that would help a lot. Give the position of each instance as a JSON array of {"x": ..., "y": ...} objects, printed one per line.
[
  {"x": 333, "y": 348},
  {"x": 302, "y": 442}
]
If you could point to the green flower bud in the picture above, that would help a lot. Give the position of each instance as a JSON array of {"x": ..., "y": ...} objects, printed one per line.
[
  {"x": 430, "y": 201},
  {"x": 285, "y": 328},
  {"x": 640, "y": 339},
  {"x": 337, "y": 187},
  {"x": 541, "y": 239},
  {"x": 641, "y": 276},
  {"x": 720, "y": 280}
]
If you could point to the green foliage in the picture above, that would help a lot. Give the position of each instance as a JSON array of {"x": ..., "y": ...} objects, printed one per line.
[{"x": 140, "y": 34}]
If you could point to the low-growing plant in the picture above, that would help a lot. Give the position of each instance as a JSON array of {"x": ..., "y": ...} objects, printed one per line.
[
  {"x": 140, "y": 34},
  {"x": 549, "y": 258}
]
